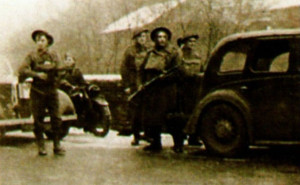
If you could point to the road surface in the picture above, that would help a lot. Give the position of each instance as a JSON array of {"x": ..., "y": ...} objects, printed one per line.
[{"x": 112, "y": 161}]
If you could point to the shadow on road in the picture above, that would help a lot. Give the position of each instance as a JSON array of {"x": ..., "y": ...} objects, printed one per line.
[
  {"x": 273, "y": 154},
  {"x": 276, "y": 154},
  {"x": 16, "y": 140}
]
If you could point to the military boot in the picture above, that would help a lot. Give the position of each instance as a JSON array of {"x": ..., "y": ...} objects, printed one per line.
[
  {"x": 41, "y": 147},
  {"x": 178, "y": 142},
  {"x": 40, "y": 142},
  {"x": 155, "y": 146},
  {"x": 136, "y": 139},
  {"x": 194, "y": 141},
  {"x": 57, "y": 149}
]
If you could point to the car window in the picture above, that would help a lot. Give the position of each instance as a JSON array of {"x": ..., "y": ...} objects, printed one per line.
[
  {"x": 233, "y": 61},
  {"x": 280, "y": 63},
  {"x": 271, "y": 56}
]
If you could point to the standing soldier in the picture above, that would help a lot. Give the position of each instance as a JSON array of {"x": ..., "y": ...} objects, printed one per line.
[
  {"x": 42, "y": 65},
  {"x": 160, "y": 99},
  {"x": 133, "y": 58},
  {"x": 192, "y": 60},
  {"x": 192, "y": 65}
]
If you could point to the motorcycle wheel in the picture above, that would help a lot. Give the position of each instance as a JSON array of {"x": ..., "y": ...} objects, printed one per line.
[{"x": 103, "y": 120}]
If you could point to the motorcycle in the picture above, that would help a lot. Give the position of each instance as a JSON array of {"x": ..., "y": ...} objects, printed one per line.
[{"x": 92, "y": 109}]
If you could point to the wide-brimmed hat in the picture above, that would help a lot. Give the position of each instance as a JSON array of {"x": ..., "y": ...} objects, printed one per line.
[
  {"x": 156, "y": 30},
  {"x": 138, "y": 32},
  {"x": 42, "y": 32},
  {"x": 183, "y": 40}
]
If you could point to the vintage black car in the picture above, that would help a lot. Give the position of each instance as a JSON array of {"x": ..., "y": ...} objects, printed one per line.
[{"x": 250, "y": 93}]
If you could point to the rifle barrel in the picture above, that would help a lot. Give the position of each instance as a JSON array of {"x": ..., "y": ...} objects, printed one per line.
[{"x": 150, "y": 82}]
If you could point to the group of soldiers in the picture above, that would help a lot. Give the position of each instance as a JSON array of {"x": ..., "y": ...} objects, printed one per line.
[
  {"x": 163, "y": 80},
  {"x": 155, "y": 107}
]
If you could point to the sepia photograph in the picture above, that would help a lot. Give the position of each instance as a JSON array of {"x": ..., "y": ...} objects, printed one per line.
[{"x": 150, "y": 92}]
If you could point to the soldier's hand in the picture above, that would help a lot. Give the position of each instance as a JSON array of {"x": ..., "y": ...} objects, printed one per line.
[
  {"x": 140, "y": 87},
  {"x": 162, "y": 75},
  {"x": 127, "y": 91},
  {"x": 42, "y": 76}
]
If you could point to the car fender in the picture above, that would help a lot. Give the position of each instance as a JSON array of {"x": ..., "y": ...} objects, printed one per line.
[
  {"x": 66, "y": 106},
  {"x": 101, "y": 104},
  {"x": 227, "y": 96}
]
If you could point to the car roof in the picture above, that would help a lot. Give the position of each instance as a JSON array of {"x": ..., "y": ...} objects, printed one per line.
[{"x": 278, "y": 33}]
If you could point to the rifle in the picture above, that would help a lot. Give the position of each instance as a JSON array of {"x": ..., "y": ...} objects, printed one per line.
[
  {"x": 152, "y": 81},
  {"x": 53, "y": 72}
]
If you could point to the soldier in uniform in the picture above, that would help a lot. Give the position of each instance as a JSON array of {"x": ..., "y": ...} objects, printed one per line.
[
  {"x": 42, "y": 65},
  {"x": 192, "y": 65},
  {"x": 132, "y": 60},
  {"x": 72, "y": 76},
  {"x": 192, "y": 60},
  {"x": 160, "y": 99}
]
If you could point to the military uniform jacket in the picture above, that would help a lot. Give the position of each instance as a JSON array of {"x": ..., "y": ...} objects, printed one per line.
[
  {"x": 192, "y": 65},
  {"x": 130, "y": 67},
  {"x": 75, "y": 77},
  {"x": 161, "y": 98},
  {"x": 192, "y": 62},
  {"x": 37, "y": 61}
]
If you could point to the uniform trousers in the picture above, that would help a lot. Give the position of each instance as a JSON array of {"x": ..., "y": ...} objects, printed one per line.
[{"x": 41, "y": 101}]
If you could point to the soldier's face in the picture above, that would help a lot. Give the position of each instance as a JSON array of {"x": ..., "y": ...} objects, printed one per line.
[
  {"x": 191, "y": 43},
  {"x": 41, "y": 42},
  {"x": 162, "y": 39},
  {"x": 69, "y": 61},
  {"x": 142, "y": 38}
]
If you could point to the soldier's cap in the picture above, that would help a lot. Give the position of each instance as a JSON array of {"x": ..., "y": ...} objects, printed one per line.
[
  {"x": 158, "y": 29},
  {"x": 183, "y": 40},
  {"x": 138, "y": 32},
  {"x": 42, "y": 32}
]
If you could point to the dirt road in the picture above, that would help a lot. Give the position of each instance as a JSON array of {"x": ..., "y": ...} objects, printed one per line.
[{"x": 91, "y": 160}]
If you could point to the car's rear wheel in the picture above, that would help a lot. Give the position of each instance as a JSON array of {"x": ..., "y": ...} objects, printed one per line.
[{"x": 223, "y": 130}]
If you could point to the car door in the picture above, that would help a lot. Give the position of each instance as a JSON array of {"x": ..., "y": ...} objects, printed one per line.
[
  {"x": 294, "y": 91},
  {"x": 273, "y": 92}
]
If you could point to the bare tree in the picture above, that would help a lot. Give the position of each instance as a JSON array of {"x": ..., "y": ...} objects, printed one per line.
[
  {"x": 79, "y": 28},
  {"x": 214, "y": 19}
]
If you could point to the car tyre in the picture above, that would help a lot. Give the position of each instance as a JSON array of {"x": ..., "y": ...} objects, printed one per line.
[{"x": 223, "y": 130}]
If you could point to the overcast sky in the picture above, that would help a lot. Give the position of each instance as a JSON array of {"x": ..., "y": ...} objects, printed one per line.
[{"x": 15, "y": 14}]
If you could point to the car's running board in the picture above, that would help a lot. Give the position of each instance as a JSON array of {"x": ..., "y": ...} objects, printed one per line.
[
  {"x": 22, "y": 121},
  {"x": 267, "y": 142}
]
